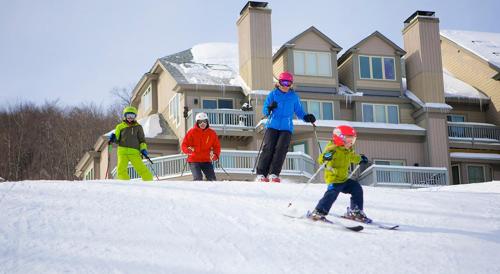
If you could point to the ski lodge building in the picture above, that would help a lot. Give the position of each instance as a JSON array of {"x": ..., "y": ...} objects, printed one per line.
[{"x": 426, "y": 114}]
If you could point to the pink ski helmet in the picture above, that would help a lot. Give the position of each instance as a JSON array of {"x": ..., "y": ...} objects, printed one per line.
[{"x": 285, "y": 76}]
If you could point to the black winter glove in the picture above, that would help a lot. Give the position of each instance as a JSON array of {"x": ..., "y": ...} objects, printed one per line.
[
  {"x": 272, "y": 106},
  {"x": 309, "y": 118},
  {"x": 112, "y": 138},
  {"x": 364, "y": 159},
  {"x": 328, "y": 156}
]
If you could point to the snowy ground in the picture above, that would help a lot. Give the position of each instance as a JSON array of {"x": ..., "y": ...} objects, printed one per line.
[{"x": 238, "y": 227}]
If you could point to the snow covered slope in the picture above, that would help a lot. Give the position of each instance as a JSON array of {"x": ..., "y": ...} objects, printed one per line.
[{"x": 238, "y": 227}]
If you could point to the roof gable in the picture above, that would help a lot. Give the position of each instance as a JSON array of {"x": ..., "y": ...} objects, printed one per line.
[
  {"x": 399, "y": 51},
  {"x": 312, "y": 29}
]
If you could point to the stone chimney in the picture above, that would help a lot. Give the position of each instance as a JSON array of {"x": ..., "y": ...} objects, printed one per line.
[
  {"x": 255, "y": 46},
  {"x": 424, "y": 68},
  {"x": 424, "y": 76}
]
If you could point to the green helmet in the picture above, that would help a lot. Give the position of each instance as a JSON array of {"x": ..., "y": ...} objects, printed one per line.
[{"x": 129, "y": 109}]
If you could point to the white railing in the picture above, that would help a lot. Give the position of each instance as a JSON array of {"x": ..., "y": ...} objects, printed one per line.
[
  {"x": 404, "y": 176},
  {"x": 473, "y": 132},
  {"x": 225, "y": 119},
  {"x": 231, "y": 161}
]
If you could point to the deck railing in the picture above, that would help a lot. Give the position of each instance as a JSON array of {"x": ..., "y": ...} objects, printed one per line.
[
  {"x": 232, "y": 161},
  {"x": 473, "y": 132},
  {"x": 225, "y": 119},
  {"x": 404, "y": 176}
]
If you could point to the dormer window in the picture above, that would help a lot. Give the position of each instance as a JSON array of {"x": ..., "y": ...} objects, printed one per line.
[
  {"x": 377, "y": 68},
  {"x": 147, "y": 99},
  {"x": 310, "y": 63}
]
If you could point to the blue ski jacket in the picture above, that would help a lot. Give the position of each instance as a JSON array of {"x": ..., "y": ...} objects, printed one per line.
[{"x": 281, "y": 117}]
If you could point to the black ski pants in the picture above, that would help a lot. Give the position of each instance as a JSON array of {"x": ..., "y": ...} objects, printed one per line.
[
  {"x": 207, "y": 168},
  {"x": 274, "y": 151}
]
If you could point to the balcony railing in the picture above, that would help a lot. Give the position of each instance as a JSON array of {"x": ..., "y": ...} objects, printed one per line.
[
  {"x": 225, "y": 119},
  {"x": 404, "y": 176},
  {"x": 232, "y": 161},
  {"x": 473, "y": 132}
]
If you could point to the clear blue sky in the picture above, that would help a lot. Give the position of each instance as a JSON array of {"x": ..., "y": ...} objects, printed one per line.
[{"x": 77, "y": 51}]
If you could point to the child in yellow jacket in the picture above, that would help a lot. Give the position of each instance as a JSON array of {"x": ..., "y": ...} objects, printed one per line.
[
  {"x": 131, "y": 144},
  {"x": 339, "y": 154}
]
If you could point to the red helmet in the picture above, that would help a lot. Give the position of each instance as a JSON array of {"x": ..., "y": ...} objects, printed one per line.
[
  {"x": 341, "y": 133},
  {"x": 286, "y": 76}
]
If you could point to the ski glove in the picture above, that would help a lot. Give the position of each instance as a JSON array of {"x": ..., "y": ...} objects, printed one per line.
[
  {"x": 272, "y": 106},
  {"x": 364, "y": 159},
  {"x": 328, "y": 156},
  {"x": 309, "y": 118},
  {"x": 144, "y": 152},
  {"x": 112, "y": 138}
]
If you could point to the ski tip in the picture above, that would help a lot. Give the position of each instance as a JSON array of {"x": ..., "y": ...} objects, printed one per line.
[{"x": 355, "y": 228}]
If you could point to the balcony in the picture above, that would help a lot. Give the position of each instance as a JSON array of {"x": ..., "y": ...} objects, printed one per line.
[
  {"x": 226, "y": 121},
  {"x": 473, "y": 133},
  {"x": 404, "y": 176},
  {"x": 238, "y": 165}
]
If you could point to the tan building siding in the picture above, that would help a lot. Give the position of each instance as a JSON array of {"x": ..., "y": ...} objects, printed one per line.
[
  {"x": 476, "y": 72},
  {"x": 346, "y": 75},
  {"x": 377, "y": 84},
  {"x": 472, "y": 113},
  {"x": 405, "y": 114},
  {"x": 437, "y": 134},
  {"x": 375, "y": 46},
  {"x": 386, "y": 147},
  {"x": 423, "y": 59},
  {"x": 279, "y": 65}
]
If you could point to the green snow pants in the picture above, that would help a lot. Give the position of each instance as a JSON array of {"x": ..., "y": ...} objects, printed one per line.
[{"x": 126, "y": 155}]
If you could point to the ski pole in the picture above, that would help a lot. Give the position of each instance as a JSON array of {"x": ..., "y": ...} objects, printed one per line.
[
  {"x": 220, "y": 165},
  {"x": 308, "y": 182},
  {"x": 263, "y": 139},
  {"x": 152, "y": 166},
  {"x": 184, "y": 167},
  {"x": 317, "y": 140}
]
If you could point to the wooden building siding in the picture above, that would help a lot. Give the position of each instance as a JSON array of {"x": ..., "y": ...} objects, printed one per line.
[
  {"x": 311, "y": 41},
  {"x": 376, "y": 46},
  {"x": 474, "y": 71},
  {"x": 279, "y": 65},
  {"x": 437, "y": 138},
  {"x": 472, "y": 113},
  {"x": 423, "y": 59},
  {"x": 346, "y": 75},
  {"x": 407, "y": 148}
]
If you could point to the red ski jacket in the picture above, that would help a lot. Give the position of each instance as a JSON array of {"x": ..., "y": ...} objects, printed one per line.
[{"x": 202, "y": 141}]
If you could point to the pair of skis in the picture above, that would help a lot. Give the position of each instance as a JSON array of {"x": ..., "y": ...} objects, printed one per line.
[{"x": 355, "y": 228}]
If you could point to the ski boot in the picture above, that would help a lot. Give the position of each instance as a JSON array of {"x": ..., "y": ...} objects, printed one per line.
[
  {"x": 274, "y": 178},
  {"x": 357, "y": 215},
  {"x": 315, "y": 215},
  {"x": 261, "y": 178}
]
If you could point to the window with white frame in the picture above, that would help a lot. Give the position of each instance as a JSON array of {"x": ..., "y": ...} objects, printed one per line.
[
  {"x": 300, "y": 146},
  {"x": 212, "y": 103},
  {"x": 89, "y": 175},
  {"x": 475, "y": 174},
  {"x": 455, "y": 118},
  {"x": 147, "y": 99},
  {"x": 380, "y": 113},
  {"x": 377, "y": 68},
  {"x": 322, "y": 110},
  {"x": 173, "y": 108},
  {"x": 312, "y": 63}
]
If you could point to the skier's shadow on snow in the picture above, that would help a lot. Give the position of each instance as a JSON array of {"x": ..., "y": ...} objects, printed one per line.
[{"x": 493, "y": 236}]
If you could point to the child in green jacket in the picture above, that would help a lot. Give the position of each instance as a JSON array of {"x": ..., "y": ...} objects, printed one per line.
[
  {"x": 339, "y": 155},
  {"x": 131, "y": 144}
]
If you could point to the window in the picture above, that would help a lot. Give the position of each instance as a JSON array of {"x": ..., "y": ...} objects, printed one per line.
[
  {"x": 455, "y": 118},
  {"x": 173, "y": 108},
  {"x": 147, "y": 99},
  {"x": 377, "y": 68},
  {"x": 217, "y": 103},
  {"x": 475, "y": 174},
  {"x": 312, "y": 63},
  {"x": 302, "y": 147},
  {"x": 89, "y": 175},
  {"x": 322, "y": 110},
  {"x": 380, "y": 113}
]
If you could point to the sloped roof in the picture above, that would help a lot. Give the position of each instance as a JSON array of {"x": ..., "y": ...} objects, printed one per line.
[
  {"x": 205, "y": 64},
  {"x": 486, "y": 45},
  {"x": 310, "y": 29},
  {"x": 346, "y": 54}
]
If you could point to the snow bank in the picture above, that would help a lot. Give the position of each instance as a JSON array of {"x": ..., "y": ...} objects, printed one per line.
[{"x": 238, "y": 227}]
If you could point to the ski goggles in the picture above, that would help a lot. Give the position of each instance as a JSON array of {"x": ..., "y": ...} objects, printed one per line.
[
  {"x": 286, "y": 83},
  {"x": 130, "y": 115},
  {"x": 202, "y": 122}
]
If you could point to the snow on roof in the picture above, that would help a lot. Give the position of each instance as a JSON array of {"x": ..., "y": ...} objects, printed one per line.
[
  {"x": 453, "y": 87},
  {"x": 417, "y": 100},
  {"x": 336, "y": 123},
  {"x": 486, "y": 45},
  {"x": 476, "y": 156}
]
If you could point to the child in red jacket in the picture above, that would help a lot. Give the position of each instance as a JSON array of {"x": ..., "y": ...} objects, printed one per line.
[{"x": 202, "y": 146}]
